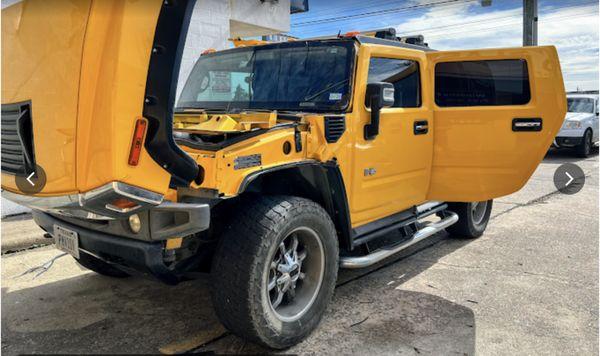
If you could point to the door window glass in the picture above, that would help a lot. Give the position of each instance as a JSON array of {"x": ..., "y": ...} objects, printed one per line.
[
  {"x": 403, "y": 74},
  {"x": 482, "y": 83}
]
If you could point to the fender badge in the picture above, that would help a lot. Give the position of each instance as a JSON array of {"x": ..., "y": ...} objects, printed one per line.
[{"x": 242, "y": 162}]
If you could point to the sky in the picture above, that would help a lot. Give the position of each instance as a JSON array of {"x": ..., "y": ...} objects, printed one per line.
[{"x": 570, "y": 25}]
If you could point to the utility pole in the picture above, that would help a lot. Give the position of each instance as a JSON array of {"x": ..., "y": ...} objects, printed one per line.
[{"x": 530, "y": 23}]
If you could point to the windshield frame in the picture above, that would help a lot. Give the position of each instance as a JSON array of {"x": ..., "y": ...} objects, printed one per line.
[{"x": 222, "y": 106}]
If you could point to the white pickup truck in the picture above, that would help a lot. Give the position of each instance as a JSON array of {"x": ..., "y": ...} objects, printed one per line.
[{"x": 580, "y": 128}]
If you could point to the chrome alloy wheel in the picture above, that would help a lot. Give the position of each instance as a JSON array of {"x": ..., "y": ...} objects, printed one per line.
[
  {"x": 295, "y": 274},
  {"x": 478, "y": 211}
]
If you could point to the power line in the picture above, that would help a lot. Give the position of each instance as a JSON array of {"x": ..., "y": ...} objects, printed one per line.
[
  {"x": 498, "y": 18},
  {"x": 336, "y": 10},
  {"x": 379, "y": 12},
  {"x": 487, "y": 29}
]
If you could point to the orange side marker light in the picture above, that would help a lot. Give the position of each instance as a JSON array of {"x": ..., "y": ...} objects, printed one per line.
[{"x": 137, "y": 142}]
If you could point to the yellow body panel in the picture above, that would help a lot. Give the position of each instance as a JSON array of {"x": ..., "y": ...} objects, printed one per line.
[
  {"x": 117, "y": 51},
  {"x": 42, "y": 43},
  {"x": 400, "y": 159},
  {"x": 219, "y": 166},
  {"x": 476, "y": 155},
  {"x": 83, "y": 65}
]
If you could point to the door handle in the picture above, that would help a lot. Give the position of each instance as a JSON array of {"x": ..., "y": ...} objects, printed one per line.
[
  {"x": 420, "y": 127},
  {"x": 527, "y": 124}
]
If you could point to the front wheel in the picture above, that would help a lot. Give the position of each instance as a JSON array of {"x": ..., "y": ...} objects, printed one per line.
[
  {"x": 472, "y": 218},
  {"x": 275, "y": 269},
  {"x": 585, "y": 147}
]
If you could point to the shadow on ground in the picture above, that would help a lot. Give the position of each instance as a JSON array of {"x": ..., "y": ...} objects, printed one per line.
[
  {"x": 564, "y": 155},
  {"x": 371, "y": 313},
  {"x": 95, "y": 314}
]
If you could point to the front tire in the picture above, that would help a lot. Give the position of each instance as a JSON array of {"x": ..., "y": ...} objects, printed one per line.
[
  {"x": 585, "y": 147},
  {"x": 275, "y": 270},
  {"x": 472, "y": 219}
]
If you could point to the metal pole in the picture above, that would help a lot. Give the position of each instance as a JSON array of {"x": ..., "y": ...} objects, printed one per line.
[{"x": 530, "y": 23}]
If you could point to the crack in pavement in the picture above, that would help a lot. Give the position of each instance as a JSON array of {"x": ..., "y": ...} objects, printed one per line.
[{"x": 32, "y": 247}]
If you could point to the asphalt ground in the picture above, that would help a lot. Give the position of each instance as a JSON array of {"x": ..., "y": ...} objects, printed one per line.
[{"x": 528, "y": 286}]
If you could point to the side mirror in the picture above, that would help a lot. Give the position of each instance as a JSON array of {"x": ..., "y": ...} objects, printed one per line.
[{"x": 379, "y": 95}]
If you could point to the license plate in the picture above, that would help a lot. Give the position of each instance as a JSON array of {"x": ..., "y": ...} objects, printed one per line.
[{"x": 66, "y": 240}]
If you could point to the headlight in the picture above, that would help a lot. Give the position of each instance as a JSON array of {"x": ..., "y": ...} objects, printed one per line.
[
  {"x": 135, "y": 223},
  {"x": 573, "y": 125}
]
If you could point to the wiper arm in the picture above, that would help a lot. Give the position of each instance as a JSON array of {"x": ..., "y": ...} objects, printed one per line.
[{"x": 309, "y": 98}]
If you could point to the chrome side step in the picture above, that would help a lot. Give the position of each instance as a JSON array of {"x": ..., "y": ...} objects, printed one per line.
[{"x": 383, "y": 253}]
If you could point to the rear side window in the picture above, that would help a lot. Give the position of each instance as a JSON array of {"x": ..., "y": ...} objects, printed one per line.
[
  {"x": 403, "y": 74},
  {"x": 482, "y": 83}
]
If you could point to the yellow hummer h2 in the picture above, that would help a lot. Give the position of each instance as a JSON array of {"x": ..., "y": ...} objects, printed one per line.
[{"x": 278, "y": 164}]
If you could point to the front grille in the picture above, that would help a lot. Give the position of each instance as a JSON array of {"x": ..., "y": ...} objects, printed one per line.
[
  {"x": 334, "y": 128},
  {"x": 17, "y": 139}
]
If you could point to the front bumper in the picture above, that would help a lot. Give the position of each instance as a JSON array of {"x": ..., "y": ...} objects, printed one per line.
[
  {"x": 95, "y": 204},
  {"x": 133, "y": 256},
  {"x": 562, "y": 141}
]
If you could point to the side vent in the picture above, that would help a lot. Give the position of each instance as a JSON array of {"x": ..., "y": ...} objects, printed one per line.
[
  {"x": 17, "y": 139},
  {"x": 334, "y": 128}
]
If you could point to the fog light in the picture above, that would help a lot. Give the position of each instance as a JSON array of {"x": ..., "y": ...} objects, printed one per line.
[{"x": 135, "y": 223}]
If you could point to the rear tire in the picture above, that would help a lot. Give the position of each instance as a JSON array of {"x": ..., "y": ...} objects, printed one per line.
[
  {"x": 472, "y": 219},
  {"x": 273, "y": 295},
  {"x": 585, "y": 147},
  {"x": 94, "y": 264}
]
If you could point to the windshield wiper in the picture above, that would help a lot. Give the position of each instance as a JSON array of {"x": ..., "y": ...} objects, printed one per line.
[{"x": 317, "y": 94}]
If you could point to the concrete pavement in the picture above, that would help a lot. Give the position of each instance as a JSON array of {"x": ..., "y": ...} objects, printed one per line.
[
  {"x": 528, "y": 286},
  {"x": 19, "y": 232}
]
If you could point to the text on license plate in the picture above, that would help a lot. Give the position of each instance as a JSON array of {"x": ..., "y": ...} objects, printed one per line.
[{"x": 66, "y": 240}]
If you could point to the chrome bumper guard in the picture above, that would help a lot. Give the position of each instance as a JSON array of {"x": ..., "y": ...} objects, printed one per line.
[{"x": 95, "y": 204}]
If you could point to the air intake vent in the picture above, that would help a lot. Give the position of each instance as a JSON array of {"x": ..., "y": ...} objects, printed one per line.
[
  {"x": 17, "y": 139},
  {"x": 334, "y": 128}
]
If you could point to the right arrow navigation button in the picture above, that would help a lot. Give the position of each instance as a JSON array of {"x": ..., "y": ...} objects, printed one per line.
[{"x": 569, "y": 178}]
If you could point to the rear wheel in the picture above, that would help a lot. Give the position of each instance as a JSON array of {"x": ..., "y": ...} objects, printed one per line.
[
  {"x": 472, "y": 218},
  {"x": 275, "y": 269},
  {"x": 99, "y": 266},
  {"x": 585, "y": 147}
]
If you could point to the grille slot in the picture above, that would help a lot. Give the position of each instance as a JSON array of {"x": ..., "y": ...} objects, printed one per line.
[
  {"x": 17, "y": 139},
  {"x": 334, "y": 128}
]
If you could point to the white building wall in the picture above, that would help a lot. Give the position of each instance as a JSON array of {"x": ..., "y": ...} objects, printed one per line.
[
  {"x": 209, "y": 28},
  {"x": 256, "y": 18},
  {"x": 214, "y": 22}
]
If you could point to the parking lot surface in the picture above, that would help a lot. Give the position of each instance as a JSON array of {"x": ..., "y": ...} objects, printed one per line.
[{"x": 528, "y": 286}]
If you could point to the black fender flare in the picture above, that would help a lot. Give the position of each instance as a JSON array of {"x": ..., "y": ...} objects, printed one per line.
[
  {"x": 161, "y": 85},
  {"x": 322, "y": 181}
]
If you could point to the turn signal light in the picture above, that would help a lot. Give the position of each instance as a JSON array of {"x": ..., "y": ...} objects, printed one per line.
[
  {"x": 137, "y": 142},
  {"x": 122, "y": 205}
]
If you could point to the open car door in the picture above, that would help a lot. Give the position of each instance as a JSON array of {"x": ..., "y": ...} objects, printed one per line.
[{"x": 496, "y": 112}]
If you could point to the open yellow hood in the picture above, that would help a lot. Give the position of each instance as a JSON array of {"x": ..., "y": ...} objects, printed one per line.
[{"x": 87, "y": 71}]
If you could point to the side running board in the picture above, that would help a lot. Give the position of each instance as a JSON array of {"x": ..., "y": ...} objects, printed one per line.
[{"x": 385, "y": 252}]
